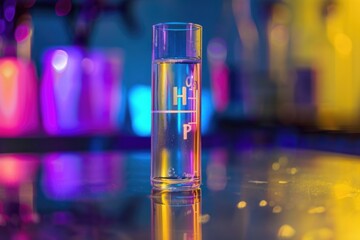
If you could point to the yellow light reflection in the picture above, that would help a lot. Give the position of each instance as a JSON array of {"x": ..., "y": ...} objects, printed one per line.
[
  {"x": 286, "y": 232},
  {"x": 205, "y": 218},
  {"x": 322, "y": 201},
  {"x": 275, "y": 166},
  {"x": 241, "y": 204},
  {"x": 277, "y": 209},
  {"x": 319, "y": 234},
  {"x": 177, "y": 215},
  {"x": 263, "y": 203},
  {"x": 316, "y": 210},
  {"x": 164, "y": 162}
]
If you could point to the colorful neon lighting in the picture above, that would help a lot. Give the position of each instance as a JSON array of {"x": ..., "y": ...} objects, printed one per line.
[
  {"x": 207, "y": 111},
  {"x": 71, "y": 175},
  {"x": 17, "y": 169},
  {"x": 217, "y": 53},
  {"x": 18, "y": 97},
  {"x": 80, "y": 92},
  {"x": 140, "y": 106}
]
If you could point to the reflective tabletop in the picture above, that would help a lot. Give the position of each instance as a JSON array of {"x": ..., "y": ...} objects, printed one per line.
[{"x": 252, "y": 193}]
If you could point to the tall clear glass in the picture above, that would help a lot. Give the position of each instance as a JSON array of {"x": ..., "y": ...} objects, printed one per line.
[{"x": 176, "y": 91}]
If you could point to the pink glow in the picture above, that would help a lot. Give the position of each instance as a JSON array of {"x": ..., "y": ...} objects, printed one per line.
[
  {"x": 17, "y": 169},
  {"x": 219, "y": 72},
  {"x": 22, "y": 32},
  {"x": 220, "y": 86},
  {"x": 21, "y": 236},
  {"x": 80, "y": 91},
  {"x": 18, "y": 97}
]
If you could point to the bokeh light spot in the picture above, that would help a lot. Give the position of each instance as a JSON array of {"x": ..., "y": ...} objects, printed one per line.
[
  {"x": 241, "y": 204},
  {"x": 60, "y": 60},
  {"x": 286, "y": 231},
  {"x": 22, "y": 32}
]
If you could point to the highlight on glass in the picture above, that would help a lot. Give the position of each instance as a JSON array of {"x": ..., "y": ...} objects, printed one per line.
[
  {"x": 176, "y": 92},
  {"x": 176, "y": 215},
  {"x": 80, "y": 92}
]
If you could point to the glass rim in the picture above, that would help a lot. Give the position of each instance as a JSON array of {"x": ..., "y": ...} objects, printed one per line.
[{"x": 178, "y": 26}]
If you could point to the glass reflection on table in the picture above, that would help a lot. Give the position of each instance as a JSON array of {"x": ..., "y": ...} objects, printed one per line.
[
  {"x": 176, "y": 215},
  {"x": 69, "y": 176},
  {"x": 17, "y": 194}
]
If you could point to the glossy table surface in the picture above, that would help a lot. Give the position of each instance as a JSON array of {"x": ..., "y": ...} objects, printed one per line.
[{"x": 250, "y": 193}]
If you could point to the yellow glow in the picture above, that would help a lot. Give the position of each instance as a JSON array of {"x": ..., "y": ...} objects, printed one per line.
[
  {"x": 241, "y": 204},
  {"x": 275, "y": 166},
  {"x": 319, "y": 234},
  {"x": 343, "y": 43},
  {"x": 322, "y": 201},
  {"x": 292, "y": 171},
  {"x": 282, "y": 182},
  {"x": 166, "y": 221},
  {"x": 8, "y": 69},
  {"x": 164, "y": 162},
  {"x": 286, "y": 231},
  {"x": 342, "y": 190},
  {"x": 263, "y": 203},
  {"x": 277, "y": 209},
  {"x": 164, "y": 75},
  {"x": 173, "y": 216},
  {"x": 316, "y": 210},
  {"x": 338, "y": 89},
  {"x": 205, "y": 218}
]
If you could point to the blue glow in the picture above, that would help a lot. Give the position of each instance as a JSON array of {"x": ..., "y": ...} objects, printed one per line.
[
  {"x": 207, "y": 110},
  {"x": 140, "y": 109}
]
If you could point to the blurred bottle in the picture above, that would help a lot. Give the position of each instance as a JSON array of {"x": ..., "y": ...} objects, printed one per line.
[
  {"x": 304, "y": 32},
  {"x": 18, "y": 81},
  {"x": 219, "y": 73},
  {"x": 176, "y": 215},
  {"x": 18, "y": 97},
  {"x": 339, "y": 88},
  {"x": 258, "y": 89},
  {"x": 17, "y": 187},
  {"x": 322, "y": 39},
  {"x": 80, "y": 92},
  {"x": 278, "y": 39}
]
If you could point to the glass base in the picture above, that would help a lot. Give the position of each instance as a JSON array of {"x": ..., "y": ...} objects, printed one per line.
[{"x": 175, "y": 184}]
